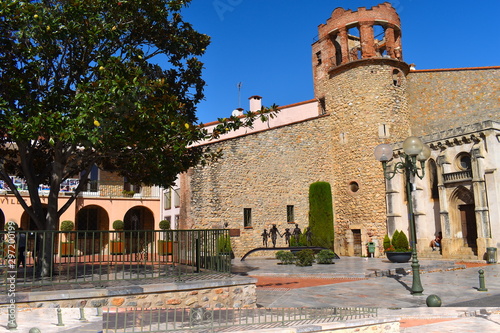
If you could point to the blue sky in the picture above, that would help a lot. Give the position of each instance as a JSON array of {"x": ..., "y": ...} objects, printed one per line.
[{"x": 266, "y": 44}]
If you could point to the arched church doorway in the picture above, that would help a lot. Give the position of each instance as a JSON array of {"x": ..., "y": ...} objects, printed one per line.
[
  {"x": 464, "y": 224},
  {"x": 469, "y": 227}
]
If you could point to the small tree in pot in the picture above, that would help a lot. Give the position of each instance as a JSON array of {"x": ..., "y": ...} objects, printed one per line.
[
  {"x": 165, "y": 245},
  {"x": 399, "y": 249},
  {"x": 68, "y": 246},
  {"x": 117, "y": 245}
]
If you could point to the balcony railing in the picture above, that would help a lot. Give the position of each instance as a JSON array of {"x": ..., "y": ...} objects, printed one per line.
[
  {"x": 99, "y": 256},
  {"x": 112, "y": 189},
  {"x": 459, "y": 176},
  {"x": 95, "y": 188}
]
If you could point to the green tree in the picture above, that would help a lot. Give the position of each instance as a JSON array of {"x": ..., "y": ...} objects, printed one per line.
[
  {"x": 81, "y": 85},
  {"x": 321, "y": 214}
]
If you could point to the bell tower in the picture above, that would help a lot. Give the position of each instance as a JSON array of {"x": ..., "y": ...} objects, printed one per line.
[{"x": 360, "y": 83}]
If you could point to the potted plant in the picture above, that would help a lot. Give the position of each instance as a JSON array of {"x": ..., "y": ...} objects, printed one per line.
[
  {"x": 224, "y": 245},
  {"x": 127, "y": 193},
  {"x": 165, "y": 245},
  {"x": 67, "y": 246},
  {"x": 398, "y": 250},
  {"x": 224, "y": 251},
  {"x": 117, "y": 245}
]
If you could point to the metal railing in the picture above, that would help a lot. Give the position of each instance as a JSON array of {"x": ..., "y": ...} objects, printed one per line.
[
  {"x": 223, "y": 319},
  {"x": 147, "y": 320},
  {"x": 94, "y": 188},
  {"x": 55, "y": 257},
  {"x": 106, "y": 188}
]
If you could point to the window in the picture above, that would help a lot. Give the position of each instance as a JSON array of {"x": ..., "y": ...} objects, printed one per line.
[
  {"x": 176, "y": 221},
  {"x": 397, "y": 77},
  {"x": 177, "y": 198},
  {"x": 290, "y": 218},
  {"x": 353, "y": 187},
  {"x": 319, "y": 60},
  {"x": 247, "y": 217},
  {"x": 322, "y": 105},
  {"x": 167, "y": 199},
  {"x": 463, "y": 162},
  {"x": 433, "y": 179},
  {"x": 383, "y": 131},
  {"x": 92, "y": 185},
  {"x": 128, "y": 186}
]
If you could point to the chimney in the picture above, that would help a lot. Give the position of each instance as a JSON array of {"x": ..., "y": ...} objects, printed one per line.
[
  {"x": 255, "y": 103},
  {"x": 237, "y": 112}
]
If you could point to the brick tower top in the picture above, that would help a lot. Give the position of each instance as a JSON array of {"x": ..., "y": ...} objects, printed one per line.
[{"x": 352, "y": 35}]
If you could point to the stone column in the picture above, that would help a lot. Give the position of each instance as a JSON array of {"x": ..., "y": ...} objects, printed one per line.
[
  {"x": 367, "y": 39},
  {"x": 344, "y": 44},
  {"x": 390, "y": 42},
  {"x": 443, "y": 164},
  {"x": 480, "y": 199},
  {"x": 398, "y": 51}
]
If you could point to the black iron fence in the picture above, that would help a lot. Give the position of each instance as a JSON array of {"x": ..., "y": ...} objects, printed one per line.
[
  {"x": 150, "y": 320},
  {"x": 56, "y": 257},
  {"x": 224, "y": 319}
]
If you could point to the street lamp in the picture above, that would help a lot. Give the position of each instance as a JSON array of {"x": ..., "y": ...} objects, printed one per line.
[{"x": 414, "y": 150}]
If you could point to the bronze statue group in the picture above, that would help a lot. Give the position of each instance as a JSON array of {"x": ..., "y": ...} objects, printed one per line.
[{"x": 295, "y": 234}]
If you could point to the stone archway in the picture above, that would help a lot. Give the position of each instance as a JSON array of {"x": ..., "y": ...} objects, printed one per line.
[
  {"x": 90, "y": 222},
  {"x": 137, "y": 220},
  {"x": 27, "y": 222},
  {"x": 463, "y": 220}
]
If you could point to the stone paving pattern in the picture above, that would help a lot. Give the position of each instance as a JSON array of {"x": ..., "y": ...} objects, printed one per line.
[{"x": 350, "y": 282}]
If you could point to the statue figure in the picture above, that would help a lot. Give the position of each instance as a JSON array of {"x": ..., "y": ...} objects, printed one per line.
[
  {"x": 287, "y": 235},
  {"x": 274, "y": 232},
  {"x": 296, "y": 233},
  {"x": 264, "y": 235},
  {"x": 309, "y": 234}
]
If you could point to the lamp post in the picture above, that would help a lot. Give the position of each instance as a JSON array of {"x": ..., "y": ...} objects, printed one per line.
[{"x": 414, "y": 150}]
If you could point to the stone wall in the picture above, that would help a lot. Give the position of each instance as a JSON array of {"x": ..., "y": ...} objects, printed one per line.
[
  {"x": 444, "y": 99},
  {"x": 367, "y": 104},
  {"x": 266, "y": 172},
  {"x": 232, "y": 293}
]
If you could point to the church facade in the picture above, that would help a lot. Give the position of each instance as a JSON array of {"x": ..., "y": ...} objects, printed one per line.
[{"x": 364, "y": 94}]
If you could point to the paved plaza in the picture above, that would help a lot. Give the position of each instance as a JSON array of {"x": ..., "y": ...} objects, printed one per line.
[{"x": 350, "y": 282}]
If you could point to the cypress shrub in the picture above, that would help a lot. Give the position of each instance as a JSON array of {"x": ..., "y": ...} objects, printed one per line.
[
  {"x": 400, "y": 242},
  {"x": 321, "y": 214},
  {"x": 387, "y": 242},
  {"x": 394, "y": 240}
]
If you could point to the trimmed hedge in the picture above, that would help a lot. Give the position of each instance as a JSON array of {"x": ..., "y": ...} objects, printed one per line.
[{"x": 321, "y": 214}]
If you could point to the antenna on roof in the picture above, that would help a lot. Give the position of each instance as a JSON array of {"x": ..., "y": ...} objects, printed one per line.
[{"x": 239, "y": 93}]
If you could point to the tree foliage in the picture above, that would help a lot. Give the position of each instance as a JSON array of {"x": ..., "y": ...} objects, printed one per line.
[
  {"x": 321, "y": 214},
  {"x": 81, "y": 85}
]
